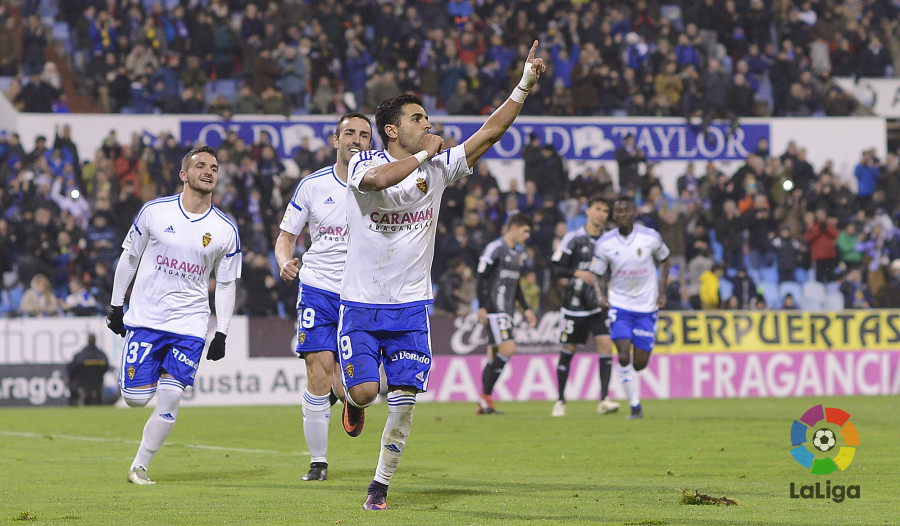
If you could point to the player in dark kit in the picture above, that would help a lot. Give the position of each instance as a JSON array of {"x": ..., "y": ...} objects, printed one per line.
[
  {"x": 499, "y": 269},
  {"x": 581, "y": 308}
]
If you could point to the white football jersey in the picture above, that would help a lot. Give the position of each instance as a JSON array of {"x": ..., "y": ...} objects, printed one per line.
[
  {"x": 633, "y": 284},
  {"x": 321, "y": 201},
  {"x": 391, "y": 242},
  {"x": 178, "y": 251}
]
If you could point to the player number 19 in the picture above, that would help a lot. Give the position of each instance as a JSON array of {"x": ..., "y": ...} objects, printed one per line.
[
  {"x": 307, "y": 318},
  {"x": 346, "y": 349}
]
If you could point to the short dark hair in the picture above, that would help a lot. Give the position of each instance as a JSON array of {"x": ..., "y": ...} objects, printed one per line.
[
  {"x": 388, "y": 112},
  {"x": 624, "y": 199},
  {"x": 598, "y": 198},
  {"x": 352, "y": 115},
  {"x": 519, "y": 219},
  {"x": 194, "y": 151}
]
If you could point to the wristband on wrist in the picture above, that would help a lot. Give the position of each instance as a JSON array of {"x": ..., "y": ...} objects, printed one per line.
[
  {"x": 519, "y": 93},
  {"x": 421, "y": 156}
]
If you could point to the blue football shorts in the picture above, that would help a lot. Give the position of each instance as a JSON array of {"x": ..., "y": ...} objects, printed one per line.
[
  {"x": 398, "y": 339},
  {"x": 318, "y": 313},
  {"x": 639, "y": 327},
  {"x": 147, "y": 353}
]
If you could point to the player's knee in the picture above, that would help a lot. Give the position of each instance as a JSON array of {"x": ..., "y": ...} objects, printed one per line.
[
  {"x": 363, "y": 395},
  {"x": 138, "y": 399},
  {"x": 640, "y": 362}
]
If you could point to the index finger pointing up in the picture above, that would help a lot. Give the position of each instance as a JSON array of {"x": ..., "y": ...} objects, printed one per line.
[{"x": 533, "y": 49}]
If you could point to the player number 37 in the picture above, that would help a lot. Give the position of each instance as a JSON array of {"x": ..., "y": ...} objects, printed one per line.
[{"x": 133, "y": 349}]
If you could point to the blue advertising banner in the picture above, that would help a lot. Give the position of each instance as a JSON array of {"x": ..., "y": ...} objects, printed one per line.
[{"x": 578, "y": 140}]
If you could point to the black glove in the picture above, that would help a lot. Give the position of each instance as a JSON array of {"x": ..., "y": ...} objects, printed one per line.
[
  {"x": 114, "y": 319},
  {"x": 216, "y": 348}
]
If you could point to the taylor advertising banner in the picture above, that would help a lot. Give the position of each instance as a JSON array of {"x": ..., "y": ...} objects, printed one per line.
[
  {"x": 699, "y": 355},
  {"x": 574, "y": 139}
]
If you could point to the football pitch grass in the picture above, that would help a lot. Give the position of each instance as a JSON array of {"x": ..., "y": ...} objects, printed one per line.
[{"x": 242, "y": 465}]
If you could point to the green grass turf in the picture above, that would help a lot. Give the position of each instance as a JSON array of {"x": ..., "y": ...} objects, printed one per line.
[{"x": 242, "y": 465}]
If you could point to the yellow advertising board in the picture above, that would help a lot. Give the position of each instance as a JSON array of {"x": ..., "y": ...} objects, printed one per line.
[{"x": 771, "y": 331}]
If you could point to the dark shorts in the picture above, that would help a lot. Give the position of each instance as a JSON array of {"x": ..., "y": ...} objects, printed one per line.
[
  {"x": 500, "y": 328},
  {"x": 576, "y": 329}
]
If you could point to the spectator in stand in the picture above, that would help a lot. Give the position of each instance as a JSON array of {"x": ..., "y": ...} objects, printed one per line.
[
  {"x": 875, "y": 60},
  {"x": 294, "y": 76},
  {"x": 10, "y": 48},
  {"x": 629, "y": 158},
  {"x": 867, "y": 173},
  {"x": 891, "y": 296},
  {"x": 80, "y": 301},
  {"x": 788, "y": 254},
  {"x": 821, "y": 235},
  {"x": 744, "y": 289},
  {"x": 846, "y": 244},
  {"x": 39, "y": 299},
  {"x": 697, "y": 266},
  {"x": 455, "y": 290},
  {"x": 37, "y": 95},
  {"x": 710, "y": 288},
  {"x": 857, "y": 294}
]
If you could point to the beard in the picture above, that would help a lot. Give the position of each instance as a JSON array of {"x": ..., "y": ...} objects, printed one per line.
[{"x": 196, "y": 186}]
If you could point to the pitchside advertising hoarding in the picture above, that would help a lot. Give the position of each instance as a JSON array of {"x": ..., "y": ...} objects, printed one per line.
[{"x": 699, "y": 355}]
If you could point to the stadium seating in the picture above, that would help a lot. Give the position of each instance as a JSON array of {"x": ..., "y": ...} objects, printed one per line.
[
  {"x": 771, "y": 293},
  {"x": 834, "y": 301},
  {"x": 813, "y": 296},
  {"x": 790, "y": 287}
]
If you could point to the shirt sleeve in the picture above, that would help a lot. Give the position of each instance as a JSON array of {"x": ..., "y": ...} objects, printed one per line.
[
  {"x": 136, "y": 240},
  {"x": 561, "y": 261},
  {"x": 454, "y": 159},
  {"x": 599, "y": 264},
  {"x": 359, "y": 165},
  {"x": 296, "y": 214},
  {"x": 661, "y": 253},
  {"x": 229, "y": 266}
]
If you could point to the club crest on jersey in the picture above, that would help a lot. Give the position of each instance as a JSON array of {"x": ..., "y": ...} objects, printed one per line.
[
  {"x": 349, "y": 370},
  {"x": 302, "y": 338},
  {"x": 639, "y": 252},
  {"x": 131, "y": 373},
  {"x": 422, "y": 185},
  {"x": 207, "y": 237}
]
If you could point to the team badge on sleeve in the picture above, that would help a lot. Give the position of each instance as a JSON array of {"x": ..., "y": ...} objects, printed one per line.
[
  {"x": 422, "y": 185},
  {"x": 207, "y": 237}
]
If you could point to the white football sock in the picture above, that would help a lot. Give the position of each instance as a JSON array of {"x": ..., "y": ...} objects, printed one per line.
[
  {"x": 628, "y": 377},
  {"x": 316, "y": 415},
  {"x": 161, "y": 421},
  {"x": 396, "y": 430}
]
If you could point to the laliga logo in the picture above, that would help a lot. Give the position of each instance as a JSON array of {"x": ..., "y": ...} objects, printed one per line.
[
  {"x": 820, "y": 428},
  {"x": 824, "y": 439}
]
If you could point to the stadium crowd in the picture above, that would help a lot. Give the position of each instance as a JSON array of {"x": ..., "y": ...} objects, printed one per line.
[
  {"x": 712, "y": 58},
  {"x": 777, "y": 232},
  {"x": 741, "y": 240}
]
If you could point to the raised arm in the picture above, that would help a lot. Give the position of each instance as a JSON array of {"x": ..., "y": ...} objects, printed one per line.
[{"x": 503, "y": 117}]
